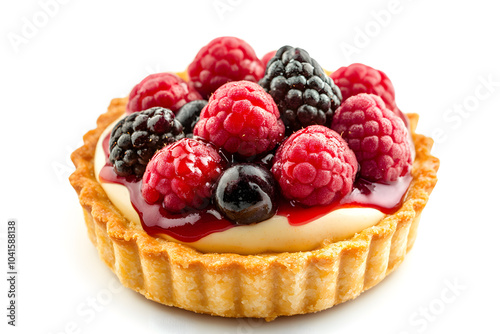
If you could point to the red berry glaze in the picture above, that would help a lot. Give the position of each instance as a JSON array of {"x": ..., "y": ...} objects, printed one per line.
[
  {"x": 181, "y": 175},
  {"x": 376, "y": 135},
  {"x": 165, "y": 90},
  {"x": 314, "y": 166},
  {"x": 222, "y": 60},
  {"x": 241, "y": 118},
  {"x": 359, "y": 78}
]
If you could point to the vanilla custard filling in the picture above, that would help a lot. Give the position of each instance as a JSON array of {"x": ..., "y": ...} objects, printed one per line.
[{"x": 272, "y": 235}]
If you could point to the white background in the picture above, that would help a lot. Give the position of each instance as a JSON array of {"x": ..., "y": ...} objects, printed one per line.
[{"x": 62, "y": 64}]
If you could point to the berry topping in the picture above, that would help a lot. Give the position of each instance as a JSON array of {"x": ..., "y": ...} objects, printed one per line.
[
  {"x": 305, "y": 95},
  {"x": 359, "y": 78},
  {"x": 136, "y": 138},
  {"x": 246, "y": 193},
  {"x": 189, "y": 114},
  {"x": 376, "y": 135},
  {"x": 241, "y": 118},
  {"x": 314, "y": 166},
  {"x": 181, "y": 175},
  {"x": 222, "y": 60},
  {"x": 165, "y": 90}
]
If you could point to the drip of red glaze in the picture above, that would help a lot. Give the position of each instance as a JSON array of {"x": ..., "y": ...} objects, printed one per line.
[
  {"x": 386, "y": 198},
  {"x": 192, "y": 226}
]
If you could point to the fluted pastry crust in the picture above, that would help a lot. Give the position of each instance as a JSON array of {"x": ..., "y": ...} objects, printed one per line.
[{"x": 263, "y": 285}]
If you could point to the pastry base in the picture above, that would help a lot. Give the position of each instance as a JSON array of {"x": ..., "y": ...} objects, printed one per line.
[{"x": 261, "y": 286}]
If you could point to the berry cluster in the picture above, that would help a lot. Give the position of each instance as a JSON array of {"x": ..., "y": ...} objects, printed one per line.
[
  {"x": 304, "y": 93},
  {"x": 298, "y": 132},
  {"x": 138, "y": 136}
]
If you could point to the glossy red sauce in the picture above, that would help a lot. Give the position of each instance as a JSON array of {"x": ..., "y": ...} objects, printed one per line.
[{"x": 190, "y": 227}]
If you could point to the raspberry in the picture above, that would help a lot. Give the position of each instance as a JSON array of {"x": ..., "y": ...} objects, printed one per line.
[
  {"x": 359, "y": 78},
  {"x": 376, "y": 135},
  {"x": 165, "y": 90},
  {"x": 314, "y": 166},
  {"x": 181, "y": 175},
  {"x": 241, "y": 118},
  {"x": 138, "y": 136},
  {"x": 222, "y": 60},
  {"x": 305, "y": 95}
]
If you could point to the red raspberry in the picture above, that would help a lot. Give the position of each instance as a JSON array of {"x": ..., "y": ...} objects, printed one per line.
[
  {"x": 359, "y": 78},
  {"x": 314, "y": 166},
  {"x": 181, "y": 175},
  {"x": 222, "y": 60},
  {"x": 165, "y": 90},
  {"x": 376, "y": 135},
  {"x": 242, "y": 118},
  {"x": 267, "y": 57}
]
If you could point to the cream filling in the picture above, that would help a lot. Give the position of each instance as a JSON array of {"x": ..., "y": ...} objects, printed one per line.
[{"x": 272, "y": 235}]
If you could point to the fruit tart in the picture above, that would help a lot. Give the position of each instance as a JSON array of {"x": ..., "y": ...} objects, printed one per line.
[{"x": 244, "y": 188}]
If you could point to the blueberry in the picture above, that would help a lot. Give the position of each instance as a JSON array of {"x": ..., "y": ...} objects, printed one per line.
[
  {"x": 246, "y": 194},
  {"x": 189, "y": 114}
]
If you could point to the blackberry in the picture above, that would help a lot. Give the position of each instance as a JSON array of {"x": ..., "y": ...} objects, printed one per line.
[
  {"x": 189, "y": 114},
  {"x": 305, "y": 95},
  {"x": 135, "y": 139}
]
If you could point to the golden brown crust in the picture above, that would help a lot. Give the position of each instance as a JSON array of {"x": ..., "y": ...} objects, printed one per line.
[{"x": 264, "y": 285}]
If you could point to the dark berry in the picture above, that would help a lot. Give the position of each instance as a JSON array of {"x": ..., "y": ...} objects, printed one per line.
[
  {"x": 265, "y": 59},
  {"x": 135, "y": 139},
  {"x": 246, "y": 194},
  {"x": 305, "y": 95},
  {"x": 189, "y": 114}
]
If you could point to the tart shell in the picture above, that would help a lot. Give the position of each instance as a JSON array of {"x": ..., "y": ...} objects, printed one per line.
[{"x": 265, "y": 285}]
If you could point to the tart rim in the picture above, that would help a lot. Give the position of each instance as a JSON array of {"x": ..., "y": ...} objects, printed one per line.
[{"x": 264, "y": 285}]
